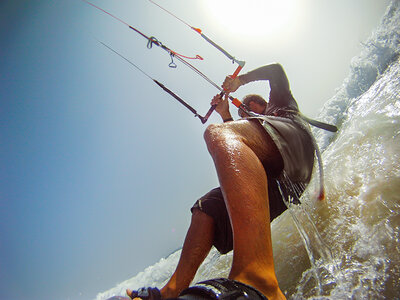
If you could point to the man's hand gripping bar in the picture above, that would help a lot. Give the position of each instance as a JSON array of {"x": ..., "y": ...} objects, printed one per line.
[{"x": 234, "y": 101}]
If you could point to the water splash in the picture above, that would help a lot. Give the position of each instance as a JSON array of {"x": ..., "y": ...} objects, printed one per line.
[{"x": 324, "y": 274}]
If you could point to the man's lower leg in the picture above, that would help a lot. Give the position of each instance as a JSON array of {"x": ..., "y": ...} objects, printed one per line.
[{"x": 195, "y": 249}]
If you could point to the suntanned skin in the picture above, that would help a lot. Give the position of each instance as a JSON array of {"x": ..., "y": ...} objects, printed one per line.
[
  {"x": 248, "y": 207},
  {"x": 197, "y": 245},
  {"x": 242, "y": 153}
]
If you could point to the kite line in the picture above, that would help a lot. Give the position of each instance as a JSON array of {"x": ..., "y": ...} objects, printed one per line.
[{"x": 173, "y": 54}]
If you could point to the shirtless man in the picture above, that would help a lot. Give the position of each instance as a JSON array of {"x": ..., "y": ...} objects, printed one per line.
[{"x": 249, "y": 155}]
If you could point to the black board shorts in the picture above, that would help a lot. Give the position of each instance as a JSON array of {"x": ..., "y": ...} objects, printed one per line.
[
  {"x": 296, "y": 148},
  {"x": 213, "y": 204}
]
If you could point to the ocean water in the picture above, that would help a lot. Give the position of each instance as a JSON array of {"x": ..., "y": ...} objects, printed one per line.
[{"x": 347, "y": 246}]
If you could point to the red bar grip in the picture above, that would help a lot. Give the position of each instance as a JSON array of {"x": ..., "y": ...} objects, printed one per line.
[
  {"x": 239, "y": 68},
  {"x": 236, "y": 102}
]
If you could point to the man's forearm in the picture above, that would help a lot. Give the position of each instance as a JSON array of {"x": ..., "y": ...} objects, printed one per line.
[{"x": 273, "y": 73}]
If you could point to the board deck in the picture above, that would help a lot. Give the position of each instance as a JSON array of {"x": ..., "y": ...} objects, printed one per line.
[{"x": 119, "y": 298}]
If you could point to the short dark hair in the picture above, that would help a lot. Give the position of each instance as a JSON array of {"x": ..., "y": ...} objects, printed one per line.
[{"x": 254, "y": 98}]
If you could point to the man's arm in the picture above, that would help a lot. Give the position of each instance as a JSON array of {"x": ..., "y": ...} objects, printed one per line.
[{"x": 274, "y": 73}]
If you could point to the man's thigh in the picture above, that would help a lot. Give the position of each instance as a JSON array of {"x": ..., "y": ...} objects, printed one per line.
[{"x": 253, "y": 134}]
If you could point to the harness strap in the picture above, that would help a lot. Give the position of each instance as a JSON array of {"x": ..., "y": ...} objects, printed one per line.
[
  {"x": 319, "y": 124},
  {"x": 324, "y": 126}
]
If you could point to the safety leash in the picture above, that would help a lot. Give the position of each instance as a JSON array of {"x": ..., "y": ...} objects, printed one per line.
[{"x": 324, "y": 126}]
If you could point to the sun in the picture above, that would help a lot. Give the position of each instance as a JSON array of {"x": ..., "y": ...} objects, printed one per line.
[{"x": 254, "y": 17}]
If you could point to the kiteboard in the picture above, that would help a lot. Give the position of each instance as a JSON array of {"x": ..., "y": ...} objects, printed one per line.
[{"x": 119, "y": 298}]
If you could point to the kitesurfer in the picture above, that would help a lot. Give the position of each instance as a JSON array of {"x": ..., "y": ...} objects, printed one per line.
[{"x": 249, "y": 154}]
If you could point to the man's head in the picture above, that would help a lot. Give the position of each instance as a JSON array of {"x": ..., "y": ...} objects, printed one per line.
[{"x": 255, "y": 103}]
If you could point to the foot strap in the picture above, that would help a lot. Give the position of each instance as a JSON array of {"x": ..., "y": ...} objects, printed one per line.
[
  {"x": 221, "y": 288},
  {"x": 146, "y": 293}
]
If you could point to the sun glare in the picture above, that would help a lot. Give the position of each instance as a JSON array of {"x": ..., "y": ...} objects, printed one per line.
[{"x": 254, "y": 17}]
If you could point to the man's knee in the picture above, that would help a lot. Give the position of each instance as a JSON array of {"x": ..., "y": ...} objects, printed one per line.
[
  {"x": 219, "y": 137},
  {"x": 211, "y": 133}
]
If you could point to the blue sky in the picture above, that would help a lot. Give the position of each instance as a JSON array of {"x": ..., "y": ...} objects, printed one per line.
[{"x": 98, "y": 166}]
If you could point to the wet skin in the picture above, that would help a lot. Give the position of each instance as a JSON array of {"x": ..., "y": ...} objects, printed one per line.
[{"x": 243, "y": 153}]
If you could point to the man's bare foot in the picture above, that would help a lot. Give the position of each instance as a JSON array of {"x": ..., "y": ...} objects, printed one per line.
[
  {"x": 264, "y": 284},
  {"x": 129, "y": 293},
  {"x": 144, "y": 293}
]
